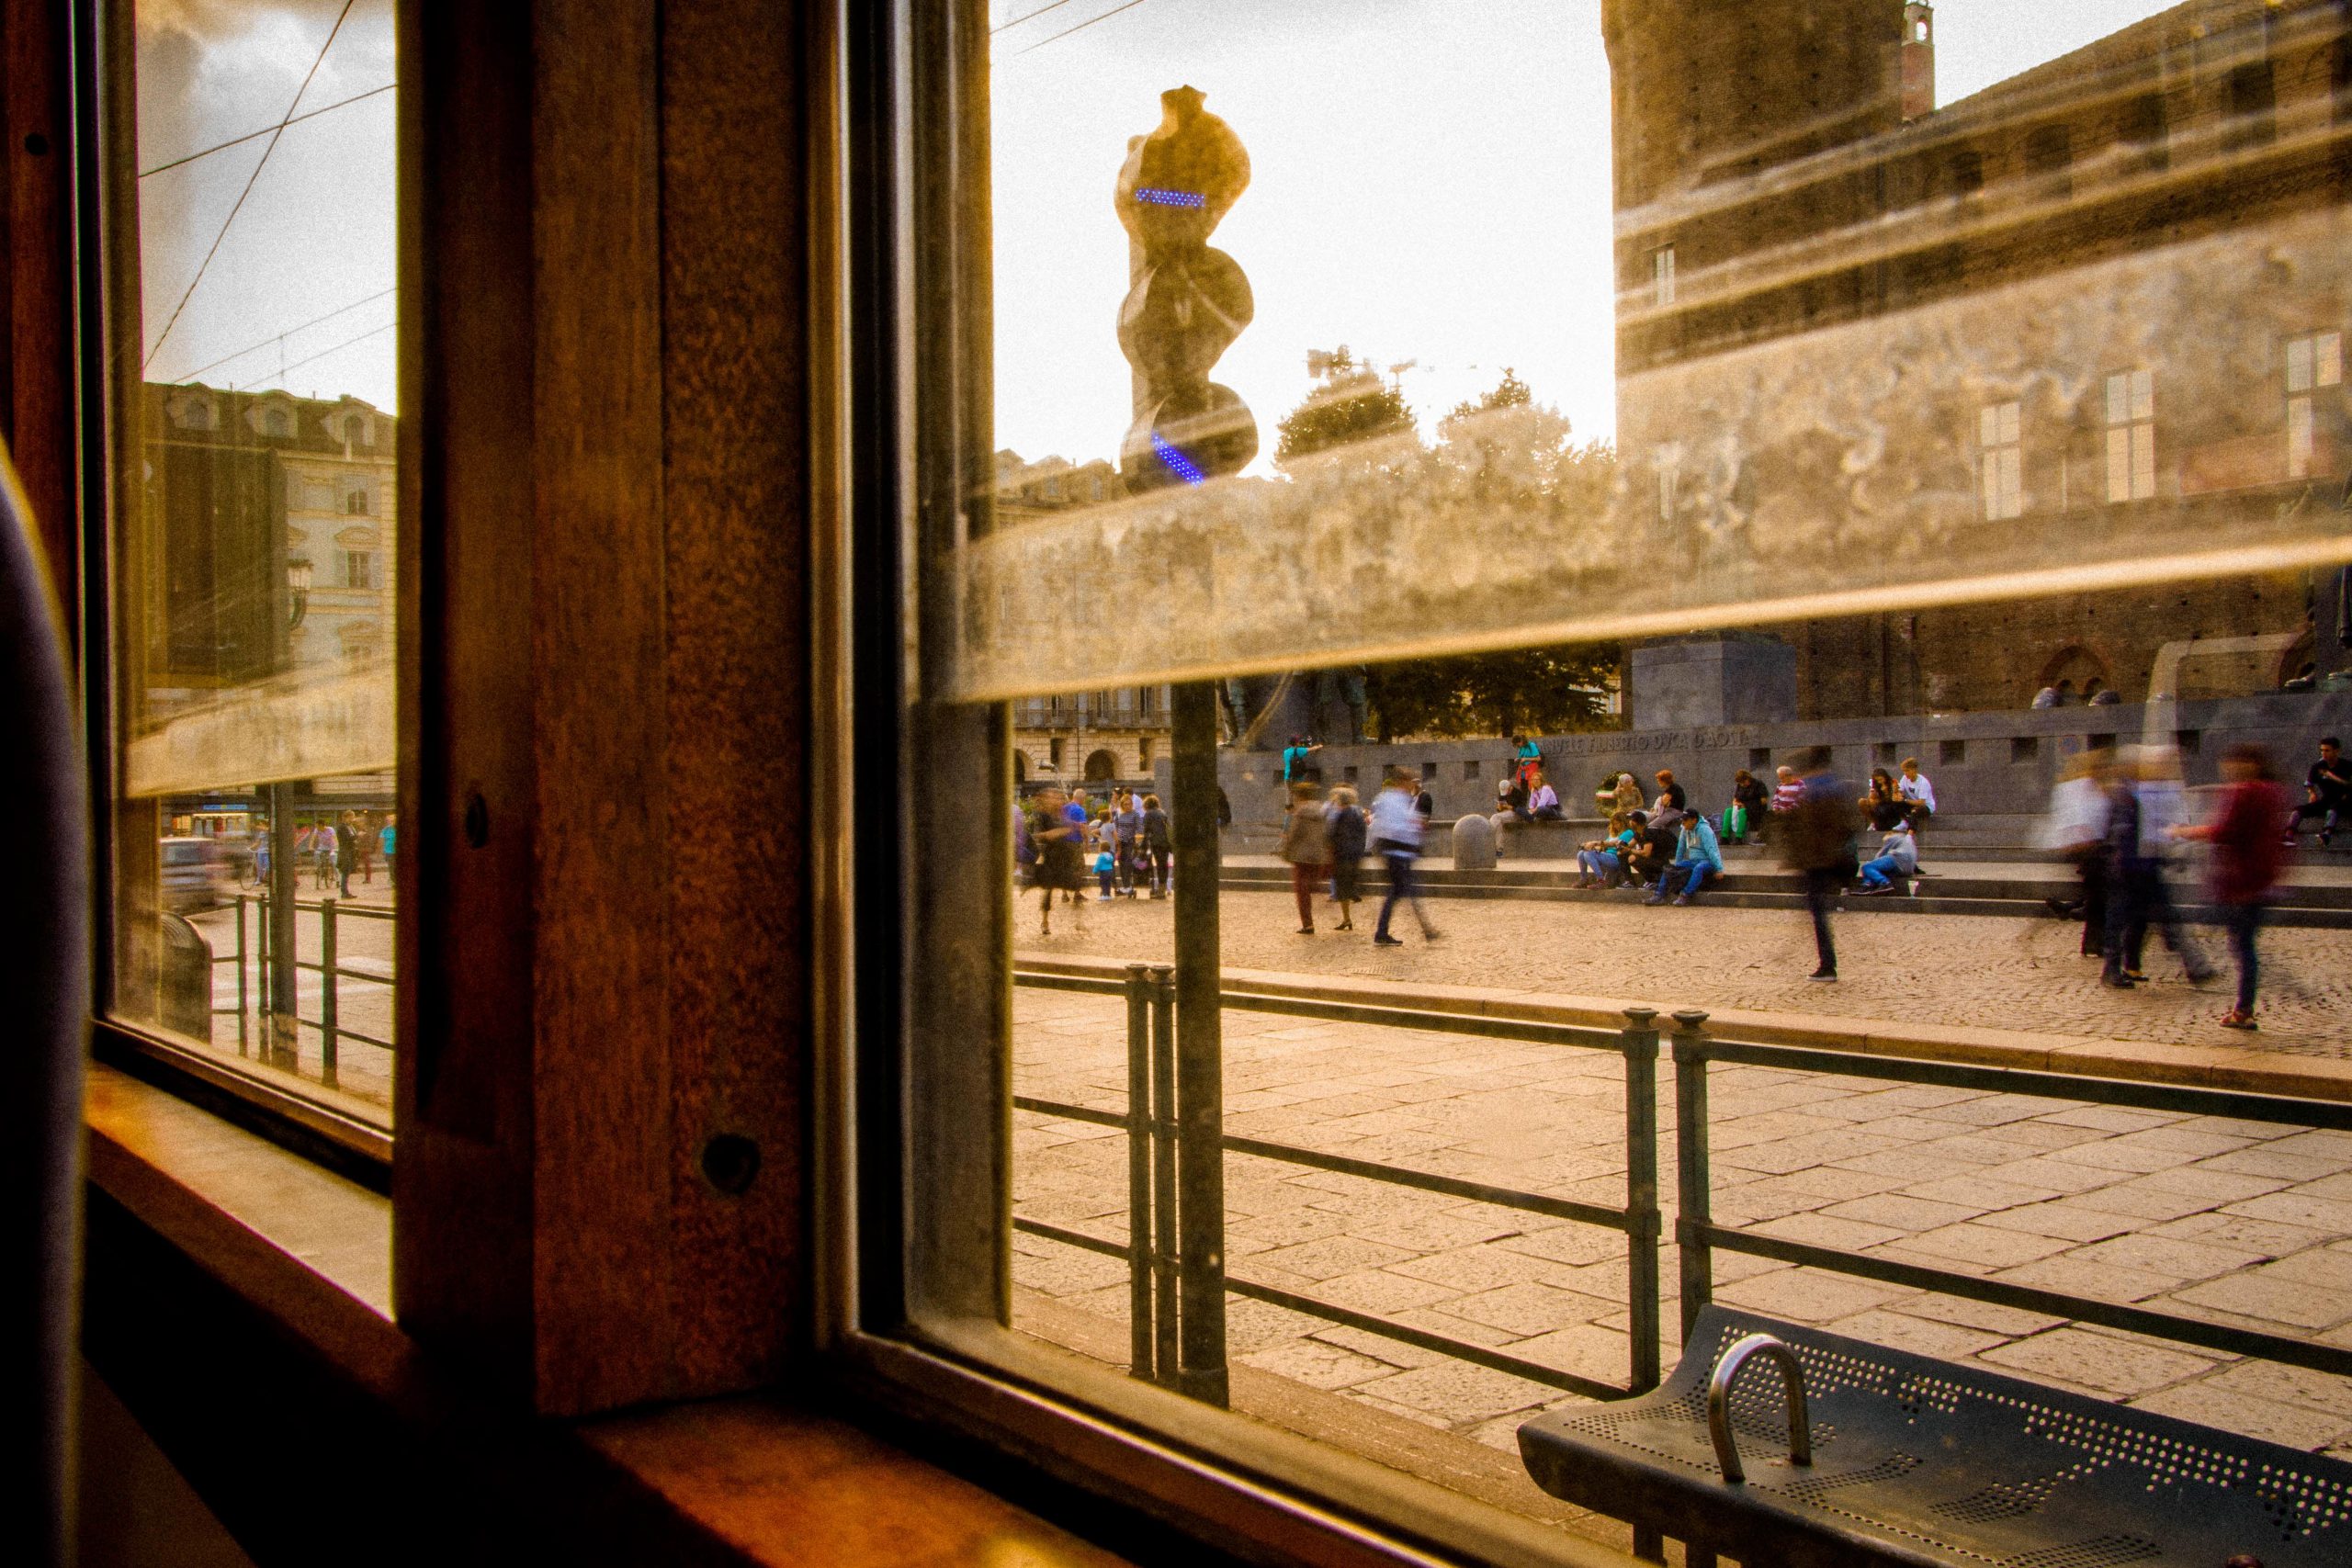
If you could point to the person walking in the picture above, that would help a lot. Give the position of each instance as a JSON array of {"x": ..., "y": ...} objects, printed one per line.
[
  {"x": 2077, "y": 829},
  {"x": 1158, "y": 842},
  {"x": 1396, "y": 823},
  {"x": 346, "y": 856},
  {"x": 1697, "y": 856},
  {"x": 1060, "y": 859},
  {"x": 1306, "y": 845},
  {"x": 1817, "y": 843},
  {"x": 1343, "y": 822},
  {"x": 2143, "y": 809},
  {"x": 2247, "y": 856}
]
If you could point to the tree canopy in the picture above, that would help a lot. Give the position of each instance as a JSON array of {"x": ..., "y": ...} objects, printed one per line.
[{"x": 1351, "y": 404}]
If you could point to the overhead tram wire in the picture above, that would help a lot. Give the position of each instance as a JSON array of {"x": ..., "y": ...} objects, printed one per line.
[
  {"x": 264, "y": 130},
  {"x": 1027, "y": 16},
  {"x": 1081, "y": 26},
  {"x": 278, "y": 130},
  {"x": 337, "y": 348},
  {"x": 265, "y": 342}
]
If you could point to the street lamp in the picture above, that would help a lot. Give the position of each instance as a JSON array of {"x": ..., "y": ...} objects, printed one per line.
[{"x": 298, "y": 589}]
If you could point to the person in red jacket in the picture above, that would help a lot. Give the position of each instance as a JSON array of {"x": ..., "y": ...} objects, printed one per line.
[{"x": 2247, "y": 856}]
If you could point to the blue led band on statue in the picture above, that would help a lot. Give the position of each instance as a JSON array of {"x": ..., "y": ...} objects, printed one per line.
[
  {"x": 1184, "y": 467},
  {"x": 1155, "y": 197}
]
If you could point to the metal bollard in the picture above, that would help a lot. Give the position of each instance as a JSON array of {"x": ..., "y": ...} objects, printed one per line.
[
  {"x": 243, "y": 1005},
  {"x": 1139, "y": 1282},
  {"x": 1642, "y": 1219},
  {"x": 1693, "y": 1204},
  {"x": 327, "y": 1019},
  {"x": 1167, "y": 1349}
]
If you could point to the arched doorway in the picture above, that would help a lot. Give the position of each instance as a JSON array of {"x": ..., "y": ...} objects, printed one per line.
[
  {"x": 1101, "y": 767},
  {"x": 2077, "y": 666}
]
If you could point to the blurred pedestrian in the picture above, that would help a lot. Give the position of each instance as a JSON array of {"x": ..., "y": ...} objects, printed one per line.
[
  {"x": 1306, "y": 845},
  {"x": 2247, "y": 858},
  {"x": 1397, "y": 824},
  {"x": 1060, "y": 859},
  {"x": 1818, "y": 842},
  {"x": 2143, "y": 808},
  {"x": 1345, "y": 825},
  {"x": 2075, "y": 828}
]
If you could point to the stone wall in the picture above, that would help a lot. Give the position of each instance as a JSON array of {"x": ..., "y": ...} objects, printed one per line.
[{"x": 1981, "y": 763}]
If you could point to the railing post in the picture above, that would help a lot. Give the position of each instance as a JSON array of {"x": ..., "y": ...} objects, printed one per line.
[
  {"x": 1200, "y": 1053},
  {"x": 1167, "y": 1351},
  {"x": 241, "y": 1002},
  {"x": 1641, "y": 1193},
  {"x": 1693, "y": 1201},
  {"x": 1139, "y": 998},
  {"x": 327, "y": 986}
]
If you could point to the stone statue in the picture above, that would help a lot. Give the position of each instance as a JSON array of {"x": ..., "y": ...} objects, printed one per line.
[{"x": 1186, "y": 302}]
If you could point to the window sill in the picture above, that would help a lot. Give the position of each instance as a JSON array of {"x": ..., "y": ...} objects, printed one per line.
[{"x": 274, "y": 1338}]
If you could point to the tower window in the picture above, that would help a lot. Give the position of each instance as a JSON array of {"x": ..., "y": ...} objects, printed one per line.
[
  {"x": 2312, "y": 362},
  {"x": 2130, "y": 435},
  {"x": 2001, "y": 460}
]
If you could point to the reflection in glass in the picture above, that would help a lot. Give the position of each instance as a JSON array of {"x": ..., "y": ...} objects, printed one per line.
[
  {"x": 1662, "y": 407},
  {"x": 254, "y": 837}
]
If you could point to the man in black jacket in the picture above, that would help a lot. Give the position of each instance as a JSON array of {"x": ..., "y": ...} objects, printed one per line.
[{"x": 1816, "y": 839}]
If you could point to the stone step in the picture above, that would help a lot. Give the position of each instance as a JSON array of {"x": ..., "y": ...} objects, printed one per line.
[{"x": 2321, "y": 908}]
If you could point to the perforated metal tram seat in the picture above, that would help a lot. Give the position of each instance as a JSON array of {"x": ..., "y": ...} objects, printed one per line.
[{"x": 1915, "y": 1460}]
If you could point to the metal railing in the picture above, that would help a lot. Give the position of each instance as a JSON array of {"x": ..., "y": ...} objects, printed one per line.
[
  {"x": 1701, "y": 1238},
  {"x": 1153, "y": 1197},
  {"x": 253, "y": 958}
]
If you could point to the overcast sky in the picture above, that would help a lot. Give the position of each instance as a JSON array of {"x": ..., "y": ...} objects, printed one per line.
[{"x": 1430, "y": 184}]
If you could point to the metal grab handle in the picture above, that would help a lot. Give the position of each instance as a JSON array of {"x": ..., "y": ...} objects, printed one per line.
[{"x": 1719, "y": 1401}]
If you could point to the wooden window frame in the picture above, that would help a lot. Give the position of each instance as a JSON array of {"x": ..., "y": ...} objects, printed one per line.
[{"x": 601, "y": 980}]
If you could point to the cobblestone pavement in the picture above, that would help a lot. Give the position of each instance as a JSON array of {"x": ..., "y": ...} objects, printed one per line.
[
  {"x": 1973, "y": 970},
  {"x": 2234, "y": 1222}
]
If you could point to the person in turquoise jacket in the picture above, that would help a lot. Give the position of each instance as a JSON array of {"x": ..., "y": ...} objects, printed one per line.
[{"x": 1697, "y": 856}]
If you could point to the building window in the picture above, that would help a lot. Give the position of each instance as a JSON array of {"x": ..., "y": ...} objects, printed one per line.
[
  {"x": 1054, "y": 753},
  {"x": 1143, "y": 753},
  {"x": 1662, "y": 276},
  {"x": 359, "y": 569},
  {"x": 2252, "y": 98},
  {"x": 277, "y": 421},
  {"x": 2312, "y": 362},
  {"x": 2000, "y": 461},
  {"x": 356, "y": 503},
  {"x": 1967, "y": 172},
  {"x": 1666, "y": 487},
  {"x": 2130, "y": 435}
]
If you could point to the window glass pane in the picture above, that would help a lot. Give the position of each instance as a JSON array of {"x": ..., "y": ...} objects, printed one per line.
[
  {"x": 255, "y": 838},
  {"x": 1466, "y": 520}
]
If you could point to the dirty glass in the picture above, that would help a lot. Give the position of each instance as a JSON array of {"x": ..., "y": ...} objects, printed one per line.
[
  {"x": 1495, "y": 422},
  {"x": 256, "y": 839}
]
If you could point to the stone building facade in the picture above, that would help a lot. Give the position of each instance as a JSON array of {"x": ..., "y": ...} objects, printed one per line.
[
  {"x": 1099, "y": 737},
  {"x": 2107, "y": 294}
]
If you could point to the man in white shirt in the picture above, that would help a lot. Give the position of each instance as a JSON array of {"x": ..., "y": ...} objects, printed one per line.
[
  {"x": 1915, "y": 787},
  {"x": 1396, "y": 839}
]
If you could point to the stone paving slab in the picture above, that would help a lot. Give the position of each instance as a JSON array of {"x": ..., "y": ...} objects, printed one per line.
[{"x": 2232, "y": 1221}]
